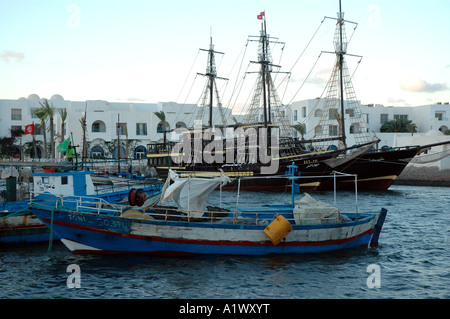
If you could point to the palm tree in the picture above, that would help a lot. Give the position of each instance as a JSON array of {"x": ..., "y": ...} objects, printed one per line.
[
  {"x": 48, "y": 111},
  {"x": 63, "y": 114},
  {"x": 162, "y": 123},
  {"x": 41, "y": 114},
  {"x": 300, "y": 128},
  {"x": 83, "y": 128},
  {"x": 411, "y": 127},
  {"x": 398, "y": 125}
]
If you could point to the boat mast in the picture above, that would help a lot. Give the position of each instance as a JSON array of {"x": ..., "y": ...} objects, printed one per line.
[
  {"x": 212, "y": 75},
  {"x": 264, "y": 67},
  {"x": 265, "y": 89},
  {"x": 340, "y": 53}
]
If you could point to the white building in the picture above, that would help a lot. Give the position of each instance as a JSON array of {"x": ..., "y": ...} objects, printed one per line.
[
  {"x": 427, "y": 118},
  {"x": 138, "y": 125},
  {"x": 431, "y": 120}
]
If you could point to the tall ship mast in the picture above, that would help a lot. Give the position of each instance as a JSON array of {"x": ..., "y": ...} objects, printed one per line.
[
  {"x": 211, "y": 88},
  {"x": 341, "y": 103},
  {"x": 265, "y": 112},
  {"x": 265, "y": 97},
  {"x": 376, "y": 169}
]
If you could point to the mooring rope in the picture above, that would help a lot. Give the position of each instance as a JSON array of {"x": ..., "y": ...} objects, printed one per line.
[
  {"x": 23, "y": 211},
  {"x": 50, "y": 239}
]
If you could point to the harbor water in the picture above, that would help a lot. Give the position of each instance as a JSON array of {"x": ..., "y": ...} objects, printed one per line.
[{"x": 412, "y": 261}]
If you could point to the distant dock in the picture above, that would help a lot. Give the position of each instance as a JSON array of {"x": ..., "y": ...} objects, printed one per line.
[{"x": 424, "y": 177}]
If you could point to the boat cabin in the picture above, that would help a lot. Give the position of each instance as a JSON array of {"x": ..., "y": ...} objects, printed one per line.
[{"x": 72, "y": 183}]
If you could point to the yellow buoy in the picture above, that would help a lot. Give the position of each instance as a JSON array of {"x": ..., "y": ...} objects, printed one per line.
[{"x": 278, "y": 229}]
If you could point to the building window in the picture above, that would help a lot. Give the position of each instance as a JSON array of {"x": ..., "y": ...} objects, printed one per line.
[
  {"x": 16, "y": 115},
  {"x": 403, "y": 117},
  {"x": 304, "y": 111},
  {"x": 350, "y": 112},
  {"x": 33, "y": 113},
  {"x": 333, "y": 130},
  {"x": 98, "y": 127},
  {"x": 384, "y": 118},
  {"x": 121, "y": 128},
  {"x": 440, "y": 116},
  {"x": 160, "y": 127},
  {"x": 64, "y": 180},
  {"x": 333, "y": 114},
  {"x": 16, "y": 130},
  {"x": 39, "y": 129},
  {"x": 141, "y": 128},
  {"x": 355, "y": 129},
  {"x": 318, "y": 130},
  {"x": 180, "y": 125}
]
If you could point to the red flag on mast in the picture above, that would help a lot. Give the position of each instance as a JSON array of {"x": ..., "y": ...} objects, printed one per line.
[
  {"x": 261, "y": 15},
  {"x": 29, "y": 129}
]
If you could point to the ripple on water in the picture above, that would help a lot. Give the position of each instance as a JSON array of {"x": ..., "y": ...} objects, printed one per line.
[{"x": 413, "y": 259}]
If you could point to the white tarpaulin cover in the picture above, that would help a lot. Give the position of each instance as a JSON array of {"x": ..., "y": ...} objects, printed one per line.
[
  {"x": 309, "y": 211},
  {"x": 190, "y": 193},
  {"x": 10, "y": 172}
]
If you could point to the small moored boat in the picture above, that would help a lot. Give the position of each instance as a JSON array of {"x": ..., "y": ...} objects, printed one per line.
[
  {"x": 191, "y": 228},
  {"x": 19, "y": 225}
]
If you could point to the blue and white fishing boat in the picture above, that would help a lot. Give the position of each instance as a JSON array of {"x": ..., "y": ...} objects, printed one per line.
[
  {"x": 19, "y": 225},
  {"x": 191, "y": 228}
]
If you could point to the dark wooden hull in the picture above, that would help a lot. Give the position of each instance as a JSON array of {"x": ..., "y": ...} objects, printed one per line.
[{"x": 375, "y": 170}]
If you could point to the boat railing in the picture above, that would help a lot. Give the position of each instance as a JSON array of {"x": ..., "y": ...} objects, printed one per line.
[
  {"x": 79, "y": 203},
  {"x": 264, "y": 213},
  {"x": 163, "y": 213},
  {"x": 220, "y": 215}
]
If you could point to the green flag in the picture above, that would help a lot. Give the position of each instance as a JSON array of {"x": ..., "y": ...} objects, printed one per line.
[{"x": 64, "y": 145}]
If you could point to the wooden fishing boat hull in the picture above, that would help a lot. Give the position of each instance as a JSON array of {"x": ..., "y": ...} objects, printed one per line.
[
  {"x": 19, "y": 225},
  {"x": 95, "y": 233},
  {"x": 23, "y": 227}
]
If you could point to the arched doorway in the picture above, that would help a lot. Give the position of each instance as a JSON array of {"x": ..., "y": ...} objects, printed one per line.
[
  {"x": 140, "y": 152},
  {"x": 97, "y": 152}
]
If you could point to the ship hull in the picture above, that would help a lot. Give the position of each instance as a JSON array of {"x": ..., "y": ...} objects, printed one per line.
[{"x": 376, "y": 171}]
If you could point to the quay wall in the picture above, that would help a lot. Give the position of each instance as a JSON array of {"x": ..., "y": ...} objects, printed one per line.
[{"x": 426, "y": 176}]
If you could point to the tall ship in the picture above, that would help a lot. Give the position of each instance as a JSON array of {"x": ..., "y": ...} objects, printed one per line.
[
  {"x": 261, "y": 146},
  {"x": 377, "y": 168}
]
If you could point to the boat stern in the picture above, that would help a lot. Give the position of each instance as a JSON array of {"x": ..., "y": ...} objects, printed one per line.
[{"x": 377, "y": 228}]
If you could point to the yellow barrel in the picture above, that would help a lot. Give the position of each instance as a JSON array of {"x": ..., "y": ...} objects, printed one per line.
[{"x": 278, "y": 229}]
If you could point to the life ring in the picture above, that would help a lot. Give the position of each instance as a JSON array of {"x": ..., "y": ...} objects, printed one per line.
[
  {"x": 131, "y": 195},
  {"x": 137, "y": 197}
]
